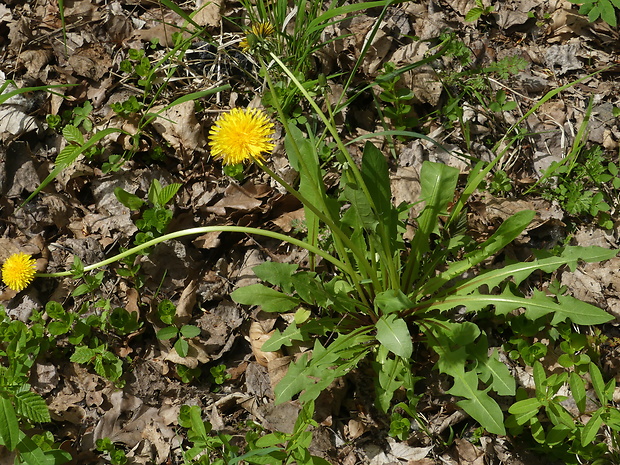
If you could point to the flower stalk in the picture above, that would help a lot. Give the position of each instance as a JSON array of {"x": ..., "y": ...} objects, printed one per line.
[{"x": 203, "y": 230}]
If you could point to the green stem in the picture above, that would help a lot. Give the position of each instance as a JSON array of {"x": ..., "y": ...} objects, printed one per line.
[
  {"x": 203, "y": 230},
  {"x": 353, "y": 171},
  {"x": 338, "y": 233},
  {"x": 339, "y": 236},
  {"x": 357, "y": 177}
]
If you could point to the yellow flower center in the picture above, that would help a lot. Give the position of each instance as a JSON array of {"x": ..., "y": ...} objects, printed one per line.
[
  {"x": 18, "y": 271},
  {"x": 241, "y": 135}
]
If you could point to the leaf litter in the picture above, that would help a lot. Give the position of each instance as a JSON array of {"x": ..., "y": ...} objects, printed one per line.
[{"x": 79, "y": 214}]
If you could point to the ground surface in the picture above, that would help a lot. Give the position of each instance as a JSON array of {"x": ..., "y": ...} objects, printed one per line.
[{"x": 78, "y": 214}]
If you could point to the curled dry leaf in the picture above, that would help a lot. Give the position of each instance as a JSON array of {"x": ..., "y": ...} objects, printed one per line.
[
  {"x": 355, "y": 428},
  {"x": 258, "y": 337},
  {"x": 186, "y": 303}
]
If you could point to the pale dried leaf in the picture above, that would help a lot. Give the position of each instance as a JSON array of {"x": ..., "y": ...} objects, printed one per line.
[
  {"x": 179, "y": 126},
  {"x": 406, "y": 452},
  {"x": 258, "y": 337},
  {"x": 34, "y": 60},
  {"x": 45, "y": 378},
  {"x": 563, "y": 57},
  {"x": 208, "y": 13},
  {"x": 185, "y": 305},
  {"x": 14, "y": 121},
  {"x": 197, "y": 354},
  {"x": 467, "y": 453}
]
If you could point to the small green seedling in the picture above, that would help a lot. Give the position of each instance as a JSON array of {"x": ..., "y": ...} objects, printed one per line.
[
  {"x": 152, "y": 222},
  {"x": 219, "y": 374},
  {"x": 400, "y": 427},
  {"x": 156, "y": 218},
  {"x": 137, "y": 65},
  {"x": 106, "y": 364},
  {"x": 166, "y": 311},
  {"x": 478, "y": 11},
  {"x": 398, "y": 100},
  {"x": 501, "y": 104},
  {"x": 182, "y": 334},
  {"x": 91, "y": 282},
  {"x": 187, "y": 374},
  {"x": 117, "y": 456},
  {"x": 127, "y": 107},
  {"x": 124, "y": 322}
]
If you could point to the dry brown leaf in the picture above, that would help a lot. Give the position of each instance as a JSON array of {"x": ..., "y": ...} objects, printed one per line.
[
  {"x": 10, "y": 246},
  {"x": 288, "y": 220},
  {"x": 181, "y": 264},
  {"x": 257, "y": 381},
  {"x": 81, "y": 10},
  {"x": 593, "y": 281},
  {"x": 355, "y": 428},
  {"x": 185, "y": 305},
  {"x": 66, "y": 405},
  {"x": 220, "y": 327},
  {"x": 132, "y": 305},
  {"x": 159, "y": 24},
  {"x": 117, "y": 26},
  {"x": 5, "y": 14},
  {"x": 59, "y": 210},
  {"x": 179, "y": 126},
  {"x": 405, "y": 452},
  {"x": 107, "y": 225},
  {"x": 515, "y": 13},
  {"x": 258, "y": 337},
  {"x": 14, "y": 118},
  {"x": 208, "y": 13},
  {"x": 467, "y": 453},
  {"x": 90, "y": 62},
  {"x": 564, "y": 57},
  {"x": 566, "y": 24},
  {"x": 45, "y": 378},
  {"x": 197, "y": 354},
  {"x": 277, "y": 368},
  {"x": 245, "y": 276},
  {"x": 34, "y": 60},
  {"x": 377, "y": 52},
  {"x": 280, "y": 417},
  {"x": 493, "y": 210},
  {"x": 463, "y": 6},
  {"x": 406, "y": 186},
  {"x": 209, "y": 240},
  {"x": 244, "y": 198},
  {"x": 19, "y": 33}
]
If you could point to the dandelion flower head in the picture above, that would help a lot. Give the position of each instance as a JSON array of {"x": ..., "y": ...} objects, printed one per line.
[
  {"x": 18, "y": 271},
  {"x": 241, "y": 135},
  {"x": 259, "y": 32}
]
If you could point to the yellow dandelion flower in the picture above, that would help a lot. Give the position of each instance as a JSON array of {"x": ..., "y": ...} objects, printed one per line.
[
  {"x": 241, "y": 135},
  {"x": 259, "y": 32},
  {"x": 18, "y": 271}
]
